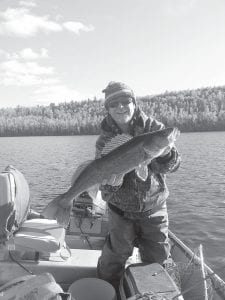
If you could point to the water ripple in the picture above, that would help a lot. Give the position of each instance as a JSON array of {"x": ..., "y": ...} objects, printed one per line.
[{"x": 196, "y": 204}]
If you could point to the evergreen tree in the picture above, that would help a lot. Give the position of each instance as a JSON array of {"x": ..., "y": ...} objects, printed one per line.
[{"x": 190, "y": 110}]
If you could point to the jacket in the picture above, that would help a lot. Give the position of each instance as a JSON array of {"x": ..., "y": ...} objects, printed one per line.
[{"x": 136, "y": 195}]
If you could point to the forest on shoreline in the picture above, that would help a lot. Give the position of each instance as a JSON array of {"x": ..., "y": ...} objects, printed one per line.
[{"x": 190, "y": 110}]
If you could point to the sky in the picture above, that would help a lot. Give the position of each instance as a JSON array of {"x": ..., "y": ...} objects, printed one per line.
[{"x": 57, "y": 51}]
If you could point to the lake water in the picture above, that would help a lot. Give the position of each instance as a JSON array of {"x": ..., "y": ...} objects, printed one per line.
[{"x": 197, "y": 190}]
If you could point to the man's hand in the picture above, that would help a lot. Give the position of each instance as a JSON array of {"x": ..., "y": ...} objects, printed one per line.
[{"x": 166, "y": 151}]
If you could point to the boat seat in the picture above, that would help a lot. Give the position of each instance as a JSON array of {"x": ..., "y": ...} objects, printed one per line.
[{"x": 39, "y": 235}]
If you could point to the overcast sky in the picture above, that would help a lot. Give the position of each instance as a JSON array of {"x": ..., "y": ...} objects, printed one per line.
[{"x": 56, "y": 51}]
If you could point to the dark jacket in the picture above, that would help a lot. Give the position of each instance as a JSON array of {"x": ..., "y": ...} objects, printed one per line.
[{"x": 134, "y": 194}]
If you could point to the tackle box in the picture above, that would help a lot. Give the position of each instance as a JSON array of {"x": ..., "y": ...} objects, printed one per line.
[{"x": 148, "y": 281}]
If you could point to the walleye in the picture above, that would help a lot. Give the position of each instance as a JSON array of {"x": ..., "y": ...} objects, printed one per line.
[{"x": 120, "y": 156}]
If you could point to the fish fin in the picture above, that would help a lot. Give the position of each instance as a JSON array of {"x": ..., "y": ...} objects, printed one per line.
[
  {"x": 118, "y": 180},
  {"x": 79, "y": 169},
  {"x": 142, "y": 171},
  {"x": 93, "y": 191},
  {"x": 115, "y": 180},
  {"x": 115, "y": 142},
  {"x": 54, "y": 210}
]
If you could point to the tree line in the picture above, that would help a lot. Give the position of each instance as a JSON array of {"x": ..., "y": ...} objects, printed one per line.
[{"x": 190, "y": 110}]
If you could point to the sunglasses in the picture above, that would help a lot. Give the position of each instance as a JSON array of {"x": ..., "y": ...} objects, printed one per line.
[{"x": 123, "y": 102}]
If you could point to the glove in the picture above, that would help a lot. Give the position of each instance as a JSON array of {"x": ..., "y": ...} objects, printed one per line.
[{"x": 166, "y": 151}]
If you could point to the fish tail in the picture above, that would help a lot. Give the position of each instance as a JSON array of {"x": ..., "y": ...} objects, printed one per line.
[{"x": 54, "y": 210}]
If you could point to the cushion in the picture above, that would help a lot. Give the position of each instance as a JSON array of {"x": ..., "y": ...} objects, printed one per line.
[{"x": 42, "y": 235}]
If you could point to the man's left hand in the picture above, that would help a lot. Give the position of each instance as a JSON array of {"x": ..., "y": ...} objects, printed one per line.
[{"x": 166, "y": 151}]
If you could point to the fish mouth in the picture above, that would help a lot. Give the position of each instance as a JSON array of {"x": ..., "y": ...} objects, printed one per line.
[{"x": 164, "y": 138}]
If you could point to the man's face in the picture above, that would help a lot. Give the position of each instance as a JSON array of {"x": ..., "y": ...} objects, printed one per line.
[{"x": 122, "y": 109}]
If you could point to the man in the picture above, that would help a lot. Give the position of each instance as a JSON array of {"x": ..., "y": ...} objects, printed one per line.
[{"x": 137, "y": 208}]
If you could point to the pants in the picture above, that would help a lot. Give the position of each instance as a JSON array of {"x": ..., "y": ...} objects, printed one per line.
[{"x": 151, "y": 234}]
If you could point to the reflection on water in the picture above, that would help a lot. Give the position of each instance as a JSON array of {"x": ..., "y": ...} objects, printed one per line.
[{"x": 196, "y": 203}]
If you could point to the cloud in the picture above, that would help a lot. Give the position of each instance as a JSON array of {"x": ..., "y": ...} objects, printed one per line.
[
  {"x": 47, "y": 87},
  {"x": 20, "y": 22},
  {"x": 25, "y": 54},
  {"x": 28, "y": 3},
  {"x": 76, "y": 27},
  {"x": 29, "y": 54},
  {"x": 27, "y": 67},
  {"x": 15, "y": 73},
  {"x": 20, "y": 70}
]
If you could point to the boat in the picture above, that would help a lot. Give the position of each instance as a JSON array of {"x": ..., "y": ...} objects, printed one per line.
[{"x": 41, "y": 246}]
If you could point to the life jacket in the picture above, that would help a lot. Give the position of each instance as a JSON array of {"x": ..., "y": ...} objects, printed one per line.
[{"x": 14, "y": 201}]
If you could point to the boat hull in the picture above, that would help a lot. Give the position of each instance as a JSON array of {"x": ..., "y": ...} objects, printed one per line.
[{"x": 79, "y": 260}]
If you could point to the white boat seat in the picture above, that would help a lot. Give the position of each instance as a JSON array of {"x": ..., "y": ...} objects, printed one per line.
[{"x": 40, "y": 235}]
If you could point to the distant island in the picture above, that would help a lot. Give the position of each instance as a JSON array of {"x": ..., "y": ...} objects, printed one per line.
[{"x": 190, "y": 110}]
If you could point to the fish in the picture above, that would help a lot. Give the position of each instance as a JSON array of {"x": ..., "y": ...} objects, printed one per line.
[{"x": 121, "y": 155}]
